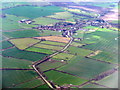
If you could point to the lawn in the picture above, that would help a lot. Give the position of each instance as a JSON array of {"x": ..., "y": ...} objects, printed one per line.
[
  {"x": 13, "y": 77},
  {"x": 22, "y": 33},
  {"x": 78, "y": 51},
  {"x": 85, "y": 68},
  {"x": 5, "y": 44},
  {"x": 40, "y": 50},
  {"x": 48, "y": 46},
  {"x": 23, "y": 43},
  {"x": 16, "y": 53},
  {"x": 15, "y": 63},
  {"x": 61, "y": 79},
  {"x": 50, "y": 64},
  {"x": 64, "y": 56}
]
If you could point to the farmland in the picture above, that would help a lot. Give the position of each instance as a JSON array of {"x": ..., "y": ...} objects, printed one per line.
[
  {"x": 53, "y": 43},
  {"x": 58, "y": 77},
  {"x": 6, "y": 44}
]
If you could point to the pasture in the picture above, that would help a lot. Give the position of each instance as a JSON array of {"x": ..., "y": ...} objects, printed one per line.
[{"x": 5, "y": 44}]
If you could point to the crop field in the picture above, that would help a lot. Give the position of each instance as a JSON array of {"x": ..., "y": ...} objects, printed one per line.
[
  {"x": 92, "y": 86},
  {"x": 79, "y": 51},
  {"x": 14, "y": 52},
  {"x": 45, "y": 21},
  {"x": 61, "y": 15},
  {"x": 15, "y": 63},
  {"x": 55, "y": 38},
  {"x": 50, "y": 64},
  {"x": 44, "y": 86},
  {"x": 59, "y": 77},
  {"x": 14, "y": 77},
  {"x": 5, "y": 44},
  {"x": 77, "y": 44},
  {"x": 23, "y": 43},
  {"x": 40, "y": 50},
  {"x": 30, "y": 84},
  {"x": 53, "y": 43},
  {"x": 48, "y": 46},
  {"x": 22, "y": 34},
  {"x": 39, "y": 11},
  {"x": 64, "y": 56},
  {"x": 85, "y": 68}
]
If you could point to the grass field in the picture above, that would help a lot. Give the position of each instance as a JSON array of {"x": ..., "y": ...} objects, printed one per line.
[
  {"x": 40, "y": 50},
  {"x": 59, "y": 77},
  {"x": 84, "y": 67},
  {"x": 23, "y": 43},
  {"x": 30, "y": 84},
  {"x": 48, "y": 46},
  {"x": 22, "y": 34},
  {"x": 5, "y": 44},
  {"x": 77, "y": 44},
  {"x": 44, "y": 86},
  {"x": 55, "y": 38},
  {"x": 45, "y": 21},
  {"x": 14, "y": 52},
  {"x": 64, "y": 56},
  {"x": 13, "y": 77},
  {"x": 92, "y": 86},
  {"x": 15, "y": 63},
  {"x": 61, "y": 15},
  {"x": 79, "y": 51},
  {"x": 50, "y": 65}
]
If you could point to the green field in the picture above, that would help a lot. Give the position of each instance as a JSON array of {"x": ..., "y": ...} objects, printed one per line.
[
  {"x": 77, "y": 44},
  {"x": 33, "y": 11},
  {"x": 79, "y": 51},
  {"x": 45, "y": 21},
  {"x": 50, "y": 65},
  {"x": 61, "y": 15},
  {"x": 5, "y": 44},
  {"x": 23, "y": 43},
  {"x": 30, "y": 84},
  {"x": 92, "y": 86},
  {"x": 59, "y": 77},
  {"x": 15, "y": 63},
  {"x": 22, "y": 34},
  {"x": 86, "y": 68},
  {"x": 44, "y": 87},
  {"x": 64, "y": 56},
  {"x": 40, "y": 50},
  {"x": 48, "y": 46},
  {"x": 13, "y": 77},
  {"x": 14, "y": 52},
  {"x": 53, "y": 43}
]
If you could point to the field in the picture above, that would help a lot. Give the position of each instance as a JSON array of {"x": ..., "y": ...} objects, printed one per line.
[
  {"x": 53, "y": 43},
  {"x": 45, "y": 21},
  {"x": 22, "y": 33},
  {"x": 64, "y": 56},
  {"x": 59, "y": 77},
  {"x": 30, "y": 84},
  {"x": 14, "y": 77},
  {"x": 5, "y": 44},
  {"x": 92, "y": 86},
  {"x": 77, "y": 44},
  {"x": 39, "y": 11},
  {"x": 14, "y": 52},
  {"x": 78, "y": 51},
  {"x": 55, "y": 38},
  {"x": 40, "y": 50},
  {"x": 61, "y": 15},
  {"x": 48, "y": 46},
  {"x": 23, "y": 43},
  {"x": 50, "y": 64},
  {"x": 15, "y": 63},
  {"x": 44, "y": 86},
  {"x": 85, "y": 68}
]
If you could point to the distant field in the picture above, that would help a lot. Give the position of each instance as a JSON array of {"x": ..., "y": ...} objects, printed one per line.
[
  {"x": 45, "y": 86},
  {"x": 50, "y": 65},
  {"x": 45, "y": 21},
  {"x": 22, "y": 34},
  {"x": 77, "y": 44},
  {"x": 59, "y": 77},
  {"x": 13, "y": 77},
  {"x": 30, "y": 84},
  {"x": 86, "y": 68},
  {"x": 55, "y": 38},
  {"x": 14, "y": 52},
  {"x": 64, "y": 56},
  {"x": 40, "y": 50},
  {"x": 92, "y": 86},
  {"x": 6, "y": 44},
  {"x": 33, "y": 11},
  {"x": 78, "y": 51},
  {"x": 61, "y": 15},
  {"x": 23, "y": 43},
  {"x": 15, "y": 63}
]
